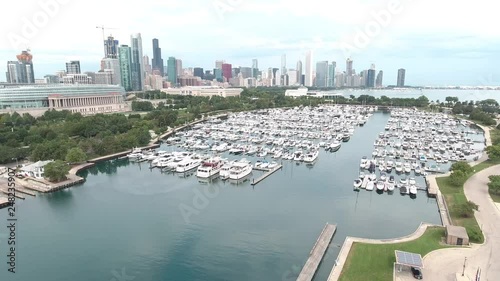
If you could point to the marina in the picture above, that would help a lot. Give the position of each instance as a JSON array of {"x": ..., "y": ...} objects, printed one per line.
[{"x": 249, "y": 226}]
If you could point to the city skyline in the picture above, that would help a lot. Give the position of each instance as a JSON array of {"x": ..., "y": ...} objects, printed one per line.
[{"x": 405, "y": 41}]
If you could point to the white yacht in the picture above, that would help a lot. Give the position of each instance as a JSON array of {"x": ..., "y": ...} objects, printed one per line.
[
  {"x": 240, "y": 169},
  {"x": 224, "y": 171},
  {"x": 311, "y": 156},
  {"x": 135, "y": 154},
  {"x": 187, "y": 165},
  {"x": 209, "y": 168},
  {"x": 163, "y": 162},
  {"x": 335, "y": 146}
]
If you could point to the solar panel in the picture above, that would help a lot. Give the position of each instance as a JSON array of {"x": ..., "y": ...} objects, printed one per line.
[{"x": 409, "y": 259}]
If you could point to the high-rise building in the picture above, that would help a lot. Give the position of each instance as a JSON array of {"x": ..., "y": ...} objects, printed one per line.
[
  {"x": 157, "y": 62},
  {"x": 227, "y": 71},
  {"x": 22, "y": 70},
  {"x": 370, "y": 78},
  {"x": 73, "y": 67},
  {"x": 114, "y": 65},
  {"x": 401, "y": 77},
  {"x": 125, "y": 60},
  {"x": 331, "y": 74},
  {"x": 283, "y": 64},
  {"x": 111, "y": 47},
  {"x": 299, "y": 73},
  {"x": 292, "y": 77},
  {"x": 321, "y": 74},
  {"x": 348, "y": 67},
  {"x": 255, "y": 68},
  {"x": 198, "y": 72},
  {"x": 378, "y": 80},
  {"x": 172, "y": 70},
  {"x": 148, "y": 70},
  {"x": 246, "y": 72},
  {"x": 218, "y": 74},
  {"x": 178, "y": 65},
  {"x": 138, "y": 73},
  {"x": 309, "y": 70},
  {"x": 219, "y": 63}
]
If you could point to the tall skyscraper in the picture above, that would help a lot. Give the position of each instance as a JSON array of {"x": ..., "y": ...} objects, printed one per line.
[
  {"x": 198, "y": 72},
  {"x": 148, "y": 70},
  {"x": 283, "y": 64},
  {"x": 73, "y": 67},
  {"x": 227, "y": 71},
  {"x": 378, "y": 81},
  {"x": 292, "y": 77},
  {"x": 157, "y": 62},
  {"x": 255, "y": 68},
  {"x": 172, "y": 71},
  {"x": 219, "y": 63},
  {"x": 322, "y": 74},
  {"x": 299, "y": 73},
  {"x": 246, "y": 72},
  {"x": 138, "y": 73},
  {"x": 348, "y": 67},
  {"x": 114, "y": 65},
  {"x": 111, "y": 47},
  {"x": 401, "y": 77},
  {"x": 331, "y": 74},
  {"x": 178, "y": 65},
  {"x": 370, "y": 78},
  {"x": 21, "y": 71},
  {"x": 309, "y": 71},
  {"x": 125, "y": 59}
]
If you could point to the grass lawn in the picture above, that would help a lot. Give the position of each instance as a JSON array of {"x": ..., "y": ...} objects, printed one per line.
[
  {"x": 455, "y": 195},
  {"x": 495, "y": 197},
  {"x": 374, "y": 262},
  {"x": 495, "y": 136}
]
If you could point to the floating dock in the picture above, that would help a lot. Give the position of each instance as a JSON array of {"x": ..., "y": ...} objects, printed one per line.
[
  {"x": 267, "y": 174},
  {"x": 5, "y": 191},
  {"x": 317, "y": 253}
]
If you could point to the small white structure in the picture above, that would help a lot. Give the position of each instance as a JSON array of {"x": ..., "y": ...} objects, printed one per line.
[
  {"x": 35, "y": 170},
  {"x": 301, "y": 91}
]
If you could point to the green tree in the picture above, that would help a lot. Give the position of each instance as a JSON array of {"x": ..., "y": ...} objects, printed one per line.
[
  {"x": 462, "y": 166},
  {"x": 493, "y": 152},
  {"x": 458, "y": 178},
  {"x": 56, "y": 171},
  {"x": 494, "y": 184},
  {"x": 465, "y": 210},
  {"x": 75, "y": 155}
]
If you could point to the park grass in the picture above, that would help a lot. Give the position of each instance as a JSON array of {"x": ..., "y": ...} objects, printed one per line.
[
  {"x": 374, "y": 262},
  {"x": 495, "y": 197},
  {"x": 455, "y": 196}
]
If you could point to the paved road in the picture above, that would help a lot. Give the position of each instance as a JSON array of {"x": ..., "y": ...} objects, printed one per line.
[{"x": 444, "y": 264}]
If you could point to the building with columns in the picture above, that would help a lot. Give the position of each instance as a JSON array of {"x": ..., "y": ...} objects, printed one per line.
[{"x": 85, "y": 99}]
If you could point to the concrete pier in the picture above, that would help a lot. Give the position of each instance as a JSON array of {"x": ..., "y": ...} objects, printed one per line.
[
  {"x": 317, "y": 253},
  {"x": 267, "y": 174},
  {"x": 4, "y": 202}
]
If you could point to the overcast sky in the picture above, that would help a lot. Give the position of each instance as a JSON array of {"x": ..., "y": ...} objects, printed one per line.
[{"x": 438, "y": 42}]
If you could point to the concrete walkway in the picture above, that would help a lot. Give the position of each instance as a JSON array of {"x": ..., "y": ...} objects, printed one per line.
[
  {"x": 444, "y": 264},
  {"x": 346, "y": 247}
]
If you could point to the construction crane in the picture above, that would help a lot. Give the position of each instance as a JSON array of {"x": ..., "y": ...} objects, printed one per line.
[{"x": 103, "y": 37}]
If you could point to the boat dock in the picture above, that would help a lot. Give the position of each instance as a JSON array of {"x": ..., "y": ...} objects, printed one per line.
[
  {"x": 432, "y": 188},
  {"x": 267, "y": 173},
  {"x": 5, "y": 191},
  {"x": 317, "y": 253}
]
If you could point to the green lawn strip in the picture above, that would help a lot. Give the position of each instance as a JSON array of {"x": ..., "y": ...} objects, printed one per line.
[
  {"x": 374, "y": 262},
  {"x": 455, "y": 195},
  {"x": 495, "y": 197}
]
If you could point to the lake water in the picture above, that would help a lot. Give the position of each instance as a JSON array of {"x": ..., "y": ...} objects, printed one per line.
[{"x": 126, "y": 221}]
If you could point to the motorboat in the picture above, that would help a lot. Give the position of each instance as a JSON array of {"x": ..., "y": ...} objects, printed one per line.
[
  {"x": 209, "y": 168},
  {"x": 391, "y": 179},
  {"x": 362, "y": 175},
  {"x": 412, "y": 181},
  {"x": 357, "y": 183},
  {"x": 225, "y": 169},
  {"x": 380, "y": 185},
  {"x": 383, "y": 177},
  {"x": 162, "y": 162},
  {"x": 335, "y": 146},
  {"x": 403, "y": 189},
  {"x": 372, "y": 177},
  {"x": 311, "y": 156},
  {"x": 240, "y": 169},
  {"x": 272, "y": 165},
  {"x": 404, "y": 180},
  {"x": 370, "y": 185},
  {"x": 135, "y": 154},
  {"x": 390, "y": 186},
  {"x": 412, "y": 189},
  {"x": 187, "y": 165},
  {"x": 399, "y": 167},
  {"x": 362, "y": 165}
]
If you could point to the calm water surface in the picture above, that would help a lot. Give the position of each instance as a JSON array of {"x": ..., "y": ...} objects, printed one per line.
[{"x": 126, "y": 221}]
